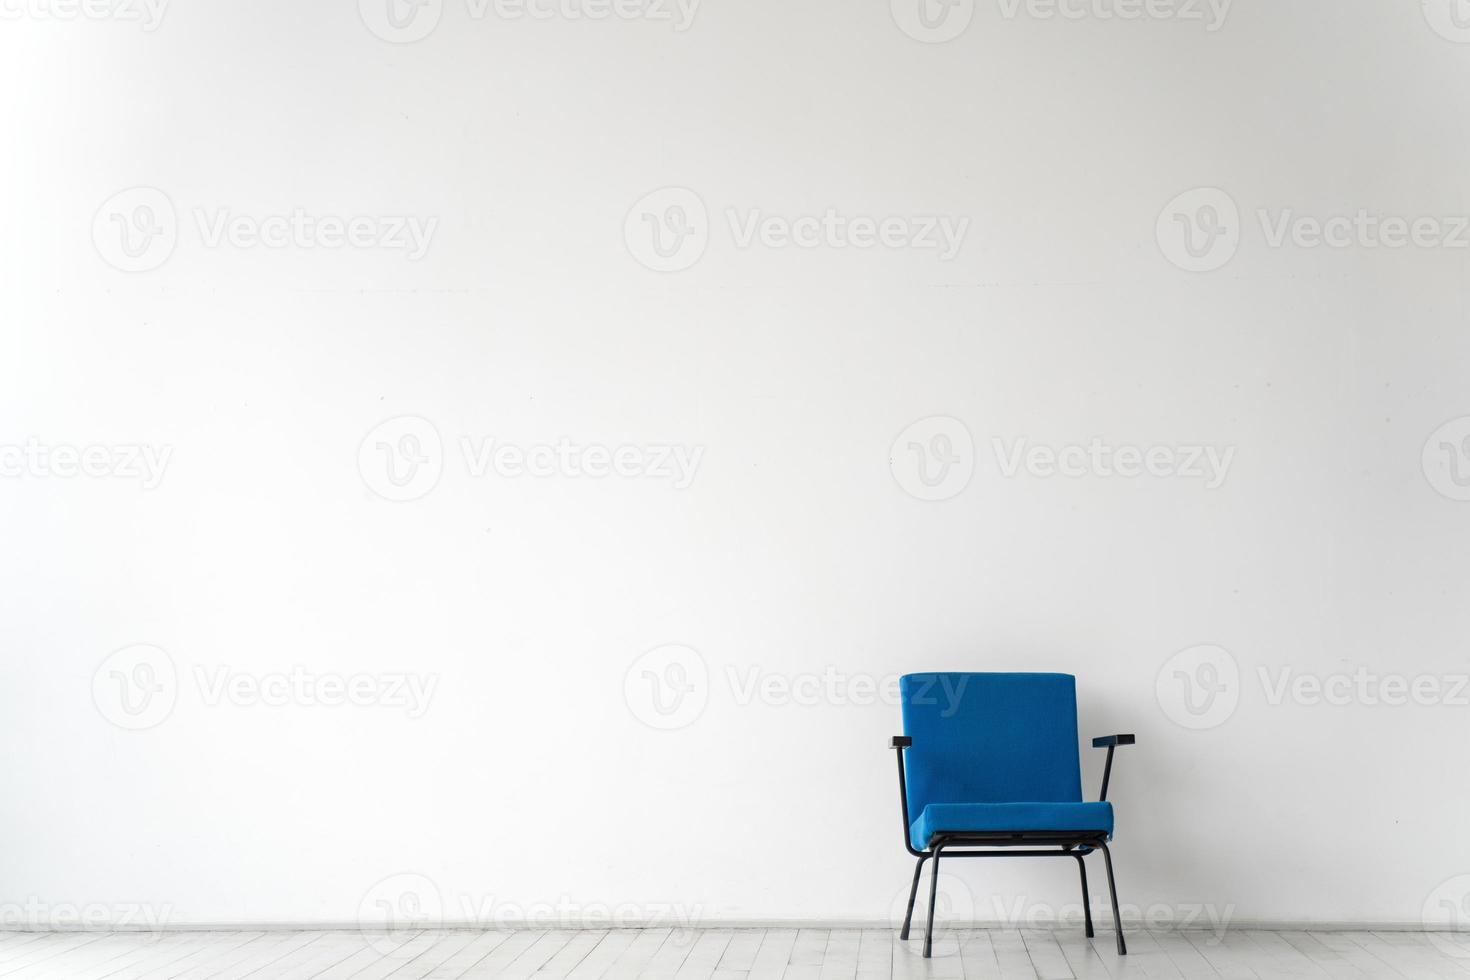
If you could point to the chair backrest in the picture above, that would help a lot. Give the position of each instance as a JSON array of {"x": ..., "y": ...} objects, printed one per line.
[{"x": 991, "y": 738}]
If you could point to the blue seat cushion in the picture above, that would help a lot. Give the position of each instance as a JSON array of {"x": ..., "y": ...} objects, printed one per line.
[{"x": 1006, "y": 817}]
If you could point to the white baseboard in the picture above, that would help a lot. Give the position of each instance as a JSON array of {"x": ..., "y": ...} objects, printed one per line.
[{"x": 1103, "y": 925}]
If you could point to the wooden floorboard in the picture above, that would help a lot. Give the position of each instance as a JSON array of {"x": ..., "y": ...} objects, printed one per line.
[{"x": 735, "y": 954}]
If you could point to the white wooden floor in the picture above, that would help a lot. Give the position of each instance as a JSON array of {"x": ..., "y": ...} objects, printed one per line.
[{"x": 735, "y": 954}]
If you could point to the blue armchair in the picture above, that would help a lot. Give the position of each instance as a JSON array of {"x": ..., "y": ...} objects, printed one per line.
[{"x": 992, "y": 770}]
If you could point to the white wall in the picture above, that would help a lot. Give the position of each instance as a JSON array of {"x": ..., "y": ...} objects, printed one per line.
[{"x": 530, "y": 778}]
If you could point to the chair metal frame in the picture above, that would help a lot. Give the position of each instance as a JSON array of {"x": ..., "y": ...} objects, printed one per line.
[{"x": 1076, "y": 844}]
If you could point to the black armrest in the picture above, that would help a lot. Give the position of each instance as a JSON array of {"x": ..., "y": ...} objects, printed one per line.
[
  {"x": 899, "y": 743},
  {"x": 1109, "y": 742}
]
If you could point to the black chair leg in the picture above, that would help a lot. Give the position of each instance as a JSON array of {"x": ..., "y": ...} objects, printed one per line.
[
  {"x": 933, "y": 900},
  {"x": 1086, "y": 900},
  {"x": 1113, "y": 894},
  {"x": 908, "y": 916}
]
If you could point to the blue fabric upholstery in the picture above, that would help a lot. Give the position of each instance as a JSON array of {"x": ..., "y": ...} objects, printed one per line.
[
  {"x": 994, "y": 739},
  {"x": 1011, "y": 817}
]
